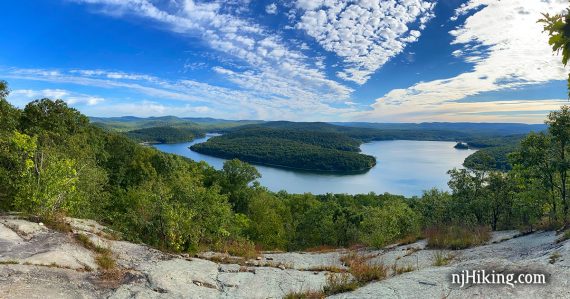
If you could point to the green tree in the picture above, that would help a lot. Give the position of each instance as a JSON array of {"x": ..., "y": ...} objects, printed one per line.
[
  {"x": 559, "y": 129},
  {"x": 500, "y": 197},
  {"x": 435, "y": 208},
  {"x": 382, "y": 225},
  {"x": 269, "y": 216},
  {"x": 235, "y": 179},
  {"x": 534, "y": 165},
  {"x": 558, "y": 28},
  {"x": 52, "y": 121},
  {"x": 469, "y": 195}
]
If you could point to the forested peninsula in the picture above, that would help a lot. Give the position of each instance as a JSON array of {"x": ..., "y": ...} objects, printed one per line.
[{"x": 307, "y": 149}]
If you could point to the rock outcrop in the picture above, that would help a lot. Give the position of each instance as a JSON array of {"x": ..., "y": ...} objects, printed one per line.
[{"x": 37, "y": 262}]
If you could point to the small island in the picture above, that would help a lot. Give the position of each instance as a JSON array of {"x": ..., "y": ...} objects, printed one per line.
[{"x": 461, "y": 146}]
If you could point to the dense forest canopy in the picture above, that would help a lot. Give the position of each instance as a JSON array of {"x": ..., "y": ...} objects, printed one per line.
[
  {"x": 55, "y": 163},
  {"x": 165, "y": 134},
  {"x": 302, "y": 147}
]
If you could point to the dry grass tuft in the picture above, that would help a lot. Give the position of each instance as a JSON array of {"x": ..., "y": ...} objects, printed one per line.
[
  {"x": 322, "y": 249},
  {"x": 57, "y": 222},
  {"x": 241, "y": 248},
  {"x": 339, "y": 283},
  {"x": 412, "y": 250},
  {"x": 456, "y": 237},
  {"x": 409, "y": 239},
  {"x": 333, "y": 269},
  {"x": 362, "y": 270},
  {"x": 305, "y": 295},
  {"x": 442, "y": 259},
  {"x": 397, "y": 270},
  {"x": 555, "y": 256}
]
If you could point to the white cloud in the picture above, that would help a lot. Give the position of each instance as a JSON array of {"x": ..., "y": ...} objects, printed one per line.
[
  {"x": 113, "y": 75},
  {"x": 508, "y": 50},
  {"x": 260, "y": 98},
  {"x": 271, "y": 9},
  {"x": 525, "y": 111},
  {"x": 366, "y": 33},
  {"x": 264, "y": 52},
  {"x": 20, "y": 97}
]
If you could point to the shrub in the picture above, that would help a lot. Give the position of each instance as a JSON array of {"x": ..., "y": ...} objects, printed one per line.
[
  {"x": 363, "y": 271},
  {"x": 456, "y": 237},
  {"x": 339, "y": 283},
  {"x": 106, "y": 261}
]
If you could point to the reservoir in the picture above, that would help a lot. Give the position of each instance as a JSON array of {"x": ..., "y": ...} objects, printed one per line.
[{"x": 403, "y": 167}]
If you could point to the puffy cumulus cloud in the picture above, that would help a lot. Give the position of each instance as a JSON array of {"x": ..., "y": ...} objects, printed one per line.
[
  {"x": 365, "y": 33},
  {"x": 20, "y": 97},
  {"x": 271, "y": 9},
  {"x": 260, "y": 97},
  {"x": 508, "y": 49},
  {"x": 264, "y": 52}
]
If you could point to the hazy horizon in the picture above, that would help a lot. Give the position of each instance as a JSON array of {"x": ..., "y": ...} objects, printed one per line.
[{"x": 284, "y": 120}]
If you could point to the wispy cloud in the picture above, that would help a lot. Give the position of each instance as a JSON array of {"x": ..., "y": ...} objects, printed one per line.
[
  {"x": 265, "y": 53},
  {"x": 508, "y": 50},
  {"x": 258, "y": 100},
  {"x": 21, "y": 97}
]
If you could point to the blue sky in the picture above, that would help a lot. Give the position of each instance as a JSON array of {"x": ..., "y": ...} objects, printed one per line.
[{"x": 312, "y": 60}]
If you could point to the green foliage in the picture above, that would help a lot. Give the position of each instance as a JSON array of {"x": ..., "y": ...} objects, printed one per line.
[
  {"x": 558, "y": 28},
  {"x": 234, "y": 180},
  {"x": 434, "y": 208},
  {"x": 382, "y": 225},
  {"x": 165, "y": 134},
  {"x": 287, "y": 151},
  {"x": 268, "y": 217}
]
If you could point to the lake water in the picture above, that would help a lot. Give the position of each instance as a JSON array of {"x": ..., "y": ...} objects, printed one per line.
[{"x": 403, "y": 167}]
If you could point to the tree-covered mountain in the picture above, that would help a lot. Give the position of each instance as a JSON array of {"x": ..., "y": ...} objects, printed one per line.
[
  {"x": 129, "y": 123},
  {"x": 466, "y": 127}
]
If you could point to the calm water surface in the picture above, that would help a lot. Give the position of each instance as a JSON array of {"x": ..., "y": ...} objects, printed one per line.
[{"x": 403, "y": 167}]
